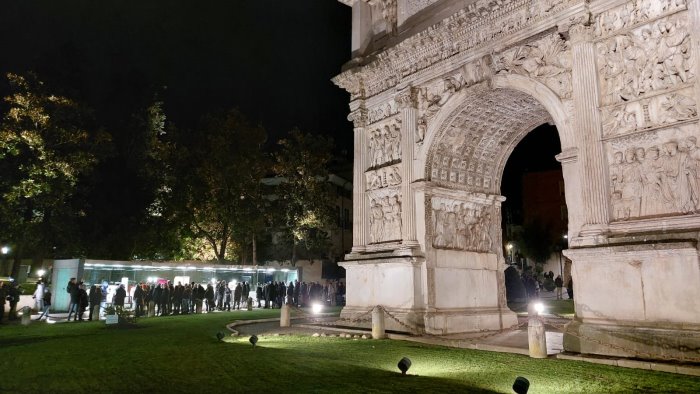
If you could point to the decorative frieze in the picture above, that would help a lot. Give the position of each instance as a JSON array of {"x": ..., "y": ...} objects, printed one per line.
[
  {"x": 384, "y": 144},
  {"x": 547, "y": 60},
  {"x": 656, "y": 173},
  {"x": 384, "y": 215},
  {"x": 481, "y": 22},
  {"x": 634, "y": 13},
  {"x": 383, "y": 177},
  {"x": 382, "y": 111},
  {"x": 647, "y": 113},
  {"x": 645, "y": 60}
]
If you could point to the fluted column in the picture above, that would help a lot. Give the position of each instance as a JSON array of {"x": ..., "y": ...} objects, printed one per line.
[
  {"x": 588, "y": 134},
  {"x": 359, "y": 201},
  {"x": 694, "y": 30},
  {"x": 408, "y": 103}
]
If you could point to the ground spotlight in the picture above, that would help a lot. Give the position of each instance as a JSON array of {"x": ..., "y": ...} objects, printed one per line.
[
  {"x": 521, "y": 385},
  {"x": 253, "y": 339},
  {"x": 539, "y": 308},
  {"x": 316, "y": 308},
  {"x": 404, "y": 365},
  {"x": 220, "y": 336}
]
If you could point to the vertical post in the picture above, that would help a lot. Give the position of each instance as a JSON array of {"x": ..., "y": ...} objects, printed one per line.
[
  {"x": 536, "y": 337},
  {"x": 407, "y": 100},
  {"x": 285, "y": 320},
  {"x": 378, "y": 327},
  {"x": 589, "y": 132}
]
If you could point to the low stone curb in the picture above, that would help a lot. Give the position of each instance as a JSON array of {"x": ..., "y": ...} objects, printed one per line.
[{"x": 637, "y": 364}]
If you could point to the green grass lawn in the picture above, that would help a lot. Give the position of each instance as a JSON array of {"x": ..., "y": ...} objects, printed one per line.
[{"x": 181, "y": 354}]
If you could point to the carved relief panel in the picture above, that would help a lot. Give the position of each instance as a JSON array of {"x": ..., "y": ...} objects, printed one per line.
[
  {"x": 547, "y": 60},
  {"x": 645, "y": 60},
  {"x": 384, "y": 144},
  {"x": 634, "y": 13},
  {"x": 647, "y": 113},
  {"x": 383, "y": 177},
  {"x": 461, "y": 225},
  {"x": 384, "y": 215},
  {"x": 655, "y": 173}
]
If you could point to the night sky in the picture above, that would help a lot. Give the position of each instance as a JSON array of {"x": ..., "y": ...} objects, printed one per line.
[{"x": 273, "y": 59}]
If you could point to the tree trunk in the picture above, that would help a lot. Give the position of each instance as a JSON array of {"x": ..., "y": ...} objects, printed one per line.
[{"x": 255, "y": 251}]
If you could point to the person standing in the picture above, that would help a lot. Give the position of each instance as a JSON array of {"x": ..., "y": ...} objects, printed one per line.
[
  {"x": 570, "y": 288},
  {"x": 38, "y": 296},
  {"x": 13, "y": 294},
  {"x": 46, "y": 304},
  {"x": 139, "y": 298},
  {"x": 3, "y": 296},
  {"x": 83, "y": 301},
  {"x": 559, "y": 283},
  {"x": 119, "y": 297},
  {"x": 95, "y": 301},
  {"x": 237, "y": 292},
  {"x": 72, "y": 289}
]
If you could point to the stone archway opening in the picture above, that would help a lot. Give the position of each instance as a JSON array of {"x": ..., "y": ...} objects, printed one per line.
[
  {"x": 464, "y": 245},
  {"x": 534, "y": 217}
]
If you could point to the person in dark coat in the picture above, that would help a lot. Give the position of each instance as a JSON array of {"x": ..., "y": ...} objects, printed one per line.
[
  {"x": 13, "y": 293},
  {"x": 290, "y": 293},
  {"x": 165, "y": 300},
  {"x": 209, "y": 296},
  {"x": 155, "y": 297},
  {"x": 259, "y": 294},
  {"x": 237, "y": 292},
  {"x": 119, "y": 296},
  {"x": 72, "y": 289},
  {"x": 83, "y": 301},
  {"x": 3, "y": 299},
  {"x": 139, "y": 299},
  {"x": 95, "y": 300}
]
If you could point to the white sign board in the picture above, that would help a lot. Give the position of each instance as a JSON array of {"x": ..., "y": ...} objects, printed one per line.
[{"x": 112, "y": 319}]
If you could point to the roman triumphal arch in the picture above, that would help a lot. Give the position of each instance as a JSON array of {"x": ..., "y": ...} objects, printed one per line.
[{"x": 441, "y": 93}]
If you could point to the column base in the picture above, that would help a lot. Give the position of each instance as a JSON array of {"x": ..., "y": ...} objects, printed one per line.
[
  {"x": 635, "y": 342},
  {"x": 468, "y": 320}
]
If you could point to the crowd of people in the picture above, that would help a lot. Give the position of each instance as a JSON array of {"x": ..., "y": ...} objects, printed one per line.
[{"x": 166, "y": 298}]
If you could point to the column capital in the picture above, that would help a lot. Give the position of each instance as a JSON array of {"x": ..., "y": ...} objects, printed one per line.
[
  {"x": 359, "y": 117},
  {"x": 407, "y": 97},
  {"x": 579, "y": 33}
]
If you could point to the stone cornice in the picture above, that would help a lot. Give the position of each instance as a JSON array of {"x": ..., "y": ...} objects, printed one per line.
[{"x": 468, "y": 29}]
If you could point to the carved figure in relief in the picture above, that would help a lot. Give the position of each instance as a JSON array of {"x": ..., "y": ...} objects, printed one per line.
[
  {"x": 384, "y": 145},
  {"x": 677, "y": 107},
  {"x": 461, "y": 227},
  {"x": 691, "y": 174},
  {"x": 670, "y": 53},
  {"x": 658, "y": 180},
  {"x": 376, "y": 221},
  {"x": 385, "y": 219},
  {"x": 650, "y": 58}
]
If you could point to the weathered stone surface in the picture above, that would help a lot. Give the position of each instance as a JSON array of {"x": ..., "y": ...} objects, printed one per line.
[{"x": 442, "y": 92}]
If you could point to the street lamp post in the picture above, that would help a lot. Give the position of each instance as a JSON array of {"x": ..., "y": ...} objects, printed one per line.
[{"x": 4, "y": 250}]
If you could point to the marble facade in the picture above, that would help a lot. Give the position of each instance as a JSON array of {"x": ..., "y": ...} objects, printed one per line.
[{"x": 441, "y": 93}]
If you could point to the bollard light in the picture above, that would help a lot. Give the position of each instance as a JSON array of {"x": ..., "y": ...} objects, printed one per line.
[
  {"x": 253, "y": 339},
  {"x": 316, "y": 308},
  {"x": 220, "y": 336},
  {"x": 521, "y": 385},
  {"x": 404, "y": 365}
]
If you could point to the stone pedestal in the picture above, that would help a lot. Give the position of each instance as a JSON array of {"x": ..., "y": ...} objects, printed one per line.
[{"x": 656, "y": 308}]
